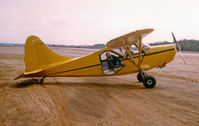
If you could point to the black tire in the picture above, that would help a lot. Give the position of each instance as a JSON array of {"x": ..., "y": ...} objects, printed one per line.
[
  {"x": 42, "y": 80},
  {"x": 139, "y": 77},
  {"x": 149, "y": 82}
]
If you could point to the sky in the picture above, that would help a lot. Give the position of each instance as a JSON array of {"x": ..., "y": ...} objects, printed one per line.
[{"x": 88, "y": 22}]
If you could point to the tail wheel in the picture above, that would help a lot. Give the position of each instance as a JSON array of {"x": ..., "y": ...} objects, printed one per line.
[
  {"x": 149, "y": 82},
  {"x": 139, "y": 77},
  {"x": 42, "y": 80}
]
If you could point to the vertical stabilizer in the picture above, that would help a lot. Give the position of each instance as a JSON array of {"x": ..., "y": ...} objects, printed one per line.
[{"x": 38, "y": 55}]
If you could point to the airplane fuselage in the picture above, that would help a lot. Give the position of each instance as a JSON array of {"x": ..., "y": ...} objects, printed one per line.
[{"x": 93, "y": 64}]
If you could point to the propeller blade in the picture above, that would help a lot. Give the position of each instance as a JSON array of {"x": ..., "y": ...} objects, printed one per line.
[{"x": 174, "y": 40}]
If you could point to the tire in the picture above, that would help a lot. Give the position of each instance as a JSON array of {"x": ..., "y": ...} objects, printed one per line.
[
  {"x": 139, "y": 77},
  {"x": 149, "y": 82},
  {"x": 41, "y": 80}
]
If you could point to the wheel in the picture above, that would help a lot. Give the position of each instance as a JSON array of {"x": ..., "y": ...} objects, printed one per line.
[
  {"x": 139, "y": 77},
  {"x": 149, "y": 82},
  {"x": 42, "y": 80}
]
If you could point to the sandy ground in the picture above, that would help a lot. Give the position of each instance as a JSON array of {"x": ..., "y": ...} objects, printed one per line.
[{"x": 100, "y": 101}]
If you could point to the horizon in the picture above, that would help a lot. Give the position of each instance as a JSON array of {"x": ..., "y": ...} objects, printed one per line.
[
  {"x": 92, "y": 22},
  {"x": 51, "y": 44}
]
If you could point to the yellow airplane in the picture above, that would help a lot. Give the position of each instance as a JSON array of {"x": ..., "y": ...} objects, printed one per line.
[{"x": 123, "y": 55}]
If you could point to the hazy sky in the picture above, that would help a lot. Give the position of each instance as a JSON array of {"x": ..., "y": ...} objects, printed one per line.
[{"x": 96, "y": 21}]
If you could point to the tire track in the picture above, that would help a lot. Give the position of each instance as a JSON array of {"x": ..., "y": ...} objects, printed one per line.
[
  {"x": 163, "y": 104},
  {"x": 171, "y": 107},
  {"x": 64, "y": 108},
  {"x": 63, "y": 117},
  {"x": 121, "y": 108},
  {"x": 129, "y": 116},
  {"x": 40, "y": 99},
  {"x": 173, "y": 76},
  {"x": 60, "y": 113},
  {"x": 166, "y": 112},
  {"x": 3, "y": 98}
]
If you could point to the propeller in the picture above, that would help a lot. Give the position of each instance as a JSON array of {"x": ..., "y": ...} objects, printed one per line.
[
  {"x": 178, "y": 47},
  {"x": 177, "y": 44}
]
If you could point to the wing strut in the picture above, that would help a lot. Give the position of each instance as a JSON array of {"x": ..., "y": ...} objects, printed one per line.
[
  {"x": 138, "y": 64},
  {"x": 140, "y": 53}
]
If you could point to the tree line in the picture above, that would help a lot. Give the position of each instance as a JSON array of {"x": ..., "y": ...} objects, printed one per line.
[{"x": 186, "y": 45}]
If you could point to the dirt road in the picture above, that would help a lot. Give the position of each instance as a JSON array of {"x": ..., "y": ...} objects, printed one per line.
[{"x": 100, "y": 101}]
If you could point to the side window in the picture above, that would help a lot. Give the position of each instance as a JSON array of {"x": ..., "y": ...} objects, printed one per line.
[
  {"x": 145, "y": 46},
  {"x": 111, "y": 62},
  {"x": 134, "y": 49}
]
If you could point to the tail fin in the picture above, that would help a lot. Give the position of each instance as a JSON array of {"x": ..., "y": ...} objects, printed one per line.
[{"x": 37, "y": 55}]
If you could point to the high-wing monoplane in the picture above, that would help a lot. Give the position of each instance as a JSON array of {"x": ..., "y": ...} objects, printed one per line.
[{"x": 123, "y": 55}]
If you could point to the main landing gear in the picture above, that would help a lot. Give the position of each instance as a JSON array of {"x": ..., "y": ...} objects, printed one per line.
[{"x": 148, "y": 81}]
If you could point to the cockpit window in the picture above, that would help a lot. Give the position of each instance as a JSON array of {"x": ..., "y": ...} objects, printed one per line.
[
  {"x": 120, "y": 50},
  {"x": 133, "y": 49},
  {"x": 111, "y": 62},
  {"x": 145, "y": 46}
]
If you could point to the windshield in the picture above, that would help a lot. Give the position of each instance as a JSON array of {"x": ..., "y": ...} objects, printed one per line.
[
  {"x": 133, "y": 49},
  {"x": 146, "y": 46}
]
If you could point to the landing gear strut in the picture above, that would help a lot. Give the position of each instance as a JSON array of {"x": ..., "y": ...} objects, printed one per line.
[
  {"x": 148, "y": 81},
  {"x": 42, "y": 79}
]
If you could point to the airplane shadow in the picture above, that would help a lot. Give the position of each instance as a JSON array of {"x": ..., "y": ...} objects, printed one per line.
[
  {"x": 95, "y": 85},
  {"x": 29, "y": 82}
]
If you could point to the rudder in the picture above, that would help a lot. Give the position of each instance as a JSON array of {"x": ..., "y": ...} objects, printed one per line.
[{"x": 38, "y": 55}]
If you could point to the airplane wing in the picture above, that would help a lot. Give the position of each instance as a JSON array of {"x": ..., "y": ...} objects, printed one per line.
[{"x": 128, "y": 39}]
